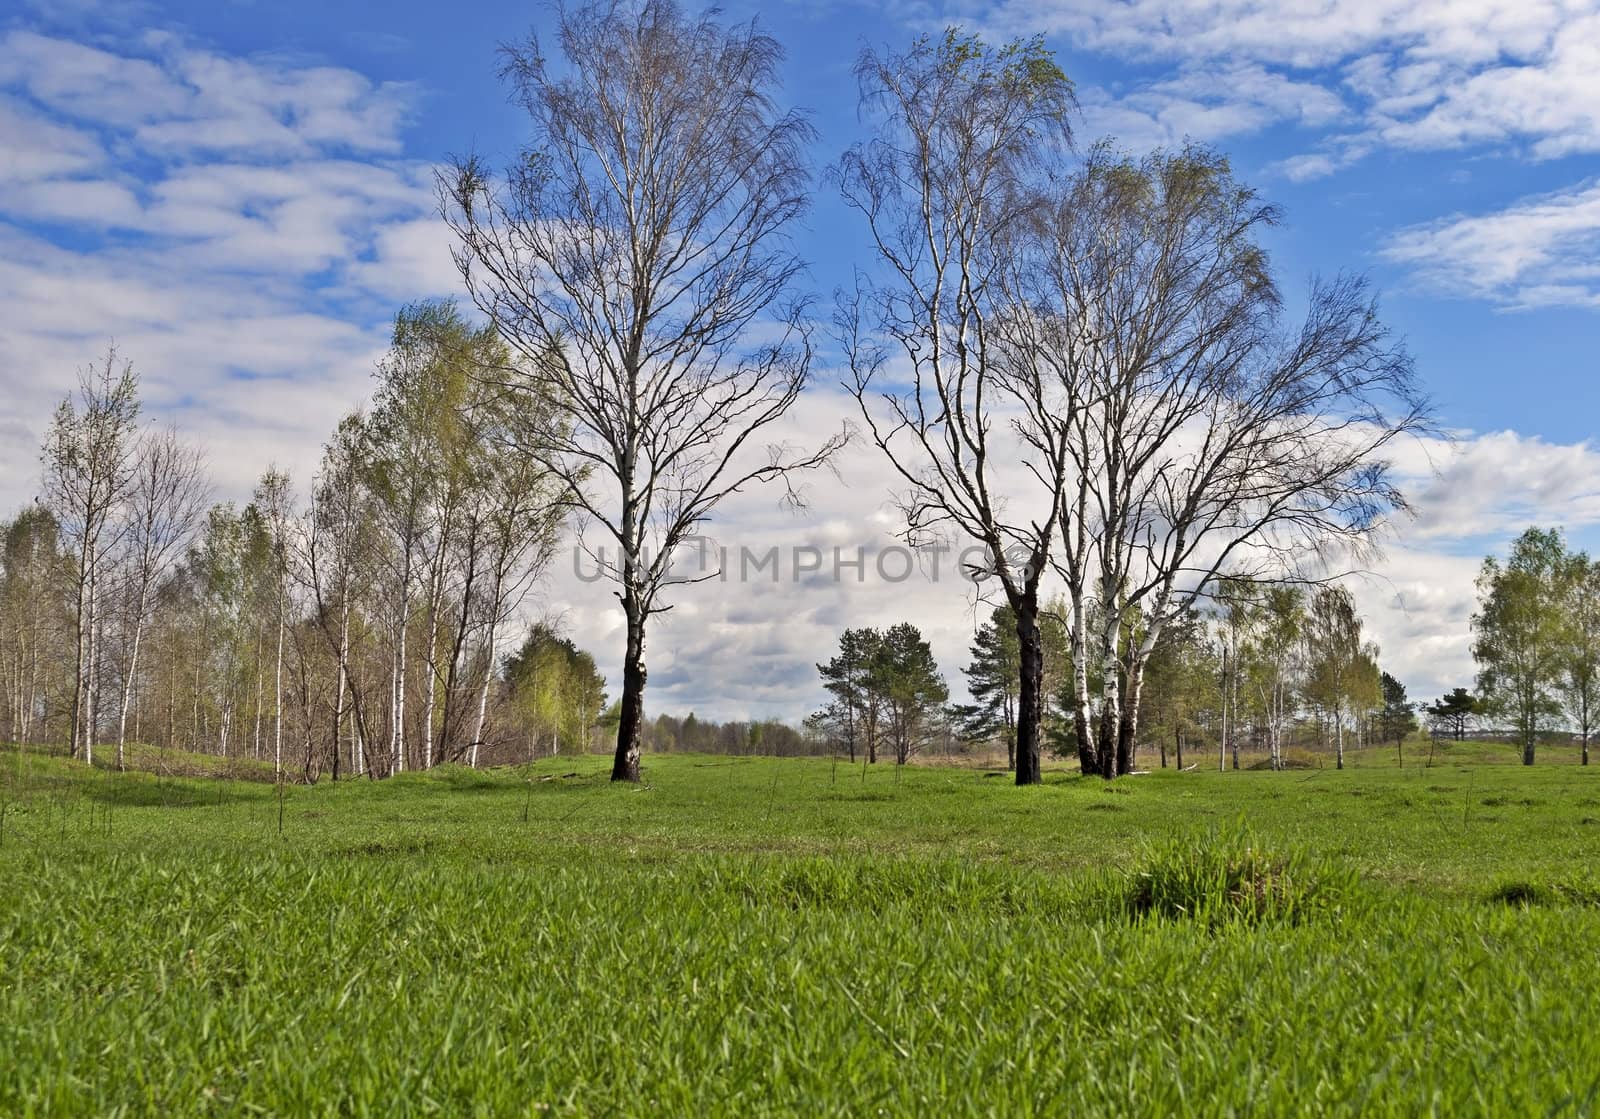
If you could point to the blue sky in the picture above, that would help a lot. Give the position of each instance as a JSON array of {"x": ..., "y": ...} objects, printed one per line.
[{"x": 239, "y": 194}]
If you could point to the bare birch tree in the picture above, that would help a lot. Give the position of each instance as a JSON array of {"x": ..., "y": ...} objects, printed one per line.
[
  {"x": 337, "y": 543},
  {"x": 636, "y": 257},
  {"x": 87, "y": 472},
  {"x": 943, "y": 356},
  {"x": 1213, "y": 437},
  {"x": 166, "y": 503},
  {"x": 272, "y": 502}
]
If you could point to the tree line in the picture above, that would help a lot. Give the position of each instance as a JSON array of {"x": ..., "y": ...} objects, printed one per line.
[
  {"x": 1268, "y": 666},
  {"x": 359, "y": 626}
]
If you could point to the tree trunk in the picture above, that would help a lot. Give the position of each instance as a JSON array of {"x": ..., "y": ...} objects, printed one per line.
[
  {"x": 1030, "y": 694},
  {"x": 80, "y": 646},
  {"x": 431, "y": 755},
  {"x": 630, "y": 726},
  {"x": 397, "y": 745},
  {"x": 1110, "y": 699},
  {"x": 1128, "y": 724},
  {"x": 92, "y": 677},
  {"x": 1222, "y": 736},
  {"x": 1088, "y": 760},
  {"x": 344, "y": 676},
  {"x": 127, "y": 685},
  {"x": 1338, "y": 738},
  {"x": 277, "y": 700},
  {"x": 488, "y": 675},
  {"x": 1178, "y": 736}
]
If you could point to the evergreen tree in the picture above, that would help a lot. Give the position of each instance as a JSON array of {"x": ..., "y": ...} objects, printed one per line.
[
  {"x": 853, "y": 716},
  {"x": 906, "y": 677},
  {"x": 1398, "y": 717},
  {"x": 1452, "y": 715},
  {"x": 992, "y": 678}
]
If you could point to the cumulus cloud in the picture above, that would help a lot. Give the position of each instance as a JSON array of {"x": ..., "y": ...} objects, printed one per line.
[
  {"x": 242, "y": 228},
  {"x": 173, "y": 96},
  {"x": 1523, "y": 74},
  {"x": 1497, "y": 483},
  {"x": 1538, "y": 252},
  {"x": 1207, "y": 103}
]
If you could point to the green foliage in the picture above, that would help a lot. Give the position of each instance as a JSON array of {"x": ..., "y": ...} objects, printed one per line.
[
  {"x": 1518, "y": 632},
  {"x": 994, "y": 679},
  {"x": 1023, "y": 69},
  {"x": 905, "y": 674},
  {"x": 1179, "y": 684},
  {"x": 887, "y": 689},
  {"x": 1453, "y": 713},
  {"x": 557, "y": 693},
  {"x": 1398, "y": 718},
  {"x": 853, "y": 715}
]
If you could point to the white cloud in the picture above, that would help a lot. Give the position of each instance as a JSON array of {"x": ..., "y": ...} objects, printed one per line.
[
  {"x": 1206, "y": 104},
  {"x": 1300, "y": 33},
  {"x": 236, "y": 225},
  {"x": 1498, "y": 483},
  {"x": 1432, "y": 75},
  {"x": 174, "y": 97},
  {"x": 36, "y": 148},
  {"x": 737, "y": 649},
  {"x": 1539, "y": 252},
  {"x": 1303, "y": 168}
]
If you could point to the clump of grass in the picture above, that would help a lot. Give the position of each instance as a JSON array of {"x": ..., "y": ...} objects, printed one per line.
[{"x": 1229, "y": 878}]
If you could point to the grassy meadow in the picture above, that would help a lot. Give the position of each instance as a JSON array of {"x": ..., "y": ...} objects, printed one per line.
[{"x": 752, "y": 936}]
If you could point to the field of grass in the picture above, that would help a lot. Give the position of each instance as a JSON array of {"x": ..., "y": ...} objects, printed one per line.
[{"x": 775, "y": 936}]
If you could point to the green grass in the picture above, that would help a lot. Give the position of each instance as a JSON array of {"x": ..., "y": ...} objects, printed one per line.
[{"x": 761, "y": 936}]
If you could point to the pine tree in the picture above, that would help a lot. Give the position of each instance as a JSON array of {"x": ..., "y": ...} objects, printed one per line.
[
  {"x": 904, "y": 673},
  {"x": 992, "y": 678}
]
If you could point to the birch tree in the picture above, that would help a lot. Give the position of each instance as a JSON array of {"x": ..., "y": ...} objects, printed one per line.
[
  {"x": 338, "y": 543},
  {"x": 1579, "y": 591},
  {"x": 413, "y": 471},
  {"x": 945, "y": 361},
  {"x": 34, "y": 575},
  {"x": 87, "y": 473},
  {"x": 636, "y": 256},
  {"x": 1338, "y": 660},
  {"x": 1517, "y": 635},
  {"x": 1211, "y": 435},
  {"x": 1275, "y": 664},
  {"x": 167, "y": 499},
  {"x": 272, "y": 502},
  {"x": 523, "y": 512}
]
